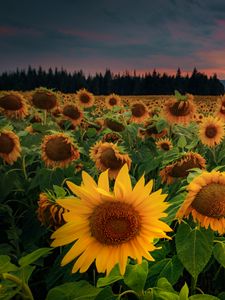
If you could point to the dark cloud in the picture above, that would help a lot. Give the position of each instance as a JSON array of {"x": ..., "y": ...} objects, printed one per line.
[{"x": 126, "y": 34}]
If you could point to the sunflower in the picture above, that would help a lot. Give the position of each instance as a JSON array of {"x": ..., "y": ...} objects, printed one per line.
[
  {"x": 85, "y": 98},
  {"x": 49, "y": 212},
  {"x": 152, "y": 131},
  {"x": 139, "y": 112},
  {"x": 211, "y": 131},
  {"x": 112, "y": 100},
  {"x": 180, "y": 168},
  {"x": 108, "y": 227},
  {"x": 206, "y": 201},
  {"x": 109, "y": 156},
  {"x": 164, "y": 144},
  {"x": 13, "y": 105},
  {"x": 10, "y": 149},
  {"x": 220, "y": 109},
  {"x": 44, "y": 99},
  {"x": 179, "y": 111},
  {"x": 58, "y": 150},
  {"x": 111, "y": 137},
  {"x": 114, "y": 125},
  {"x": 72, "y": 113}
]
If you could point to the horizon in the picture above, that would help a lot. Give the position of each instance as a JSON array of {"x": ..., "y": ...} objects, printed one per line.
[{"x": 119, "y": 35}]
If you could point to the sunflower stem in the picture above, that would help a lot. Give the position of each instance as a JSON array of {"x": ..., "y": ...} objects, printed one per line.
[
  {"x": 45, "y": 117},
  {"x": 24, "y": 168},
  {"x": 193, "y": 285},
  {"x": 128, "y": 292},
  {"x": 27, "y": 294}
]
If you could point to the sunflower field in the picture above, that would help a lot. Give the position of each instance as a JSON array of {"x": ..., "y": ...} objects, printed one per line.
[{"x": 111, "y": 197}]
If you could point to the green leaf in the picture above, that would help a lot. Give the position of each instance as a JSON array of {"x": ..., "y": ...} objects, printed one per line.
[
  {"x": 222, "y": 296},
  {"x": 59, "y": 191},
  {"x": 219, "y": 253},
  {"x": 170, "y": 268},
  {"x": 106, "y": 294},
  {"x": 136, "y": 275},
  {"x": 113, "y": 276},
  {"x": 194, "y": 248},
  {"x": 24, "y": 273},
  {"x": 6, "y": 265},
  {"x": 203, "y": 297},
  {"x": 33, "y": 256},
  {"x": 165, "y": 285},
  {"x": 159, "y": 294},
  {"x": 184, "y": 292},
  {"x": 182, "y": 142},
  {"x": 91, "y": 132},
  {"x": 73, "y": 290}
]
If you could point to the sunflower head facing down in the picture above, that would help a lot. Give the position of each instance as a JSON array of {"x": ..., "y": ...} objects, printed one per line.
[
  {"x": 211, "y": 131},
  {"x": 180, "y": 168},
  {"x": 43, "y": 98},
  {"x": 109, "y": 156},
  {"x": 139, "y": 112},
  {"x": 72, "y": 113},
  {"x": 112, "y": 100},
  {"x": 10, "y": 149},
  {"x": 179, "y": 111},
  {"x": 108, "y": 227},
  {"x": 58, "y": 150},
  {"x": 13, "y": 105},
  {"x": 49, "y": 212},
  {"x": 205, "y": 201},
  {"x": 85, "y": 98}
]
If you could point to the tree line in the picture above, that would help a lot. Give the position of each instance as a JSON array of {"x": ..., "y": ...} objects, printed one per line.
[{"x": 150, "y": 83}]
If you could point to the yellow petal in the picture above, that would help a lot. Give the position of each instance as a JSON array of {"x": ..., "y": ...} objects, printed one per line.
[
  {"x": 103, "y": 181},
  {"x": 123, "y": 185}
]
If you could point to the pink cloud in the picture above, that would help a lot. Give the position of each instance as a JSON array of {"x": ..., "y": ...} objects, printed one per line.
[{"x": 14, "y": 31}]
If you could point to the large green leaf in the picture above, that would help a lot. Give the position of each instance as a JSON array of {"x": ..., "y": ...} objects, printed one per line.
[
  {"x": 136, "y": 275},
  {"x": 194, "y": 247},
  {"x": 203, "y": 297},
  {"x": 219, "y": 253},
  {"x": 73, "y": 291},
  {"x": 32, "y": 257}
]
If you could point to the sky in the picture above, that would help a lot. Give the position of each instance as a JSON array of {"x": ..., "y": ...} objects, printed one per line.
[{"x": 120, "y": 35}]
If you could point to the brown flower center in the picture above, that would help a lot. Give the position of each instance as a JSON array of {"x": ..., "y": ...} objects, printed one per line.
[
  {"x": 72, "y": 112},
  {"x": 11, "y": 102},
  {"x": 210, "y": 131},
  {"x": 85, "y": 98},
  {"x": 114, "y": 125},
  {"x": 180, "y": 109},
  {"x": 109, "y": 159},
  {"x": 138, "y": 110},
  {"x": 111, "y": 137},
  {"x": 57, "y": 149},
  {"x": 151, "y": 130},
  {"x": 165, "y": 146},
  {"x": 6, "y": 143},
  {"x": 44, "y": 100},
  {"x": 210, "y": 201},
  {"x": 182, "y": 169},
  {"x": 112, "y": 101},
  {"x": 114, "y": 223}
]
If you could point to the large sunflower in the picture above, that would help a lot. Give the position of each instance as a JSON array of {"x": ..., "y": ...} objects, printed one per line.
[
  {"x": 108, "y": 227},
  {"x": 58, "y": 150},
  {"x": 109, "y": 156},
  {"x": 10, "y": 149},
  {"x": 180, "y": 168},
  {"x": 179, "y": 111},
  {"x": 112, "y": 100},
  {"x": 13, "y": 105},
  {"x": 72, "y": 113},
  {"x": 139, "y": 112},
  {"x": 211, "y": 131},
  {"x": 220, "y": 109},
  {"x": 206, "y": 201},
  {"x": 85, "y": 98}
]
